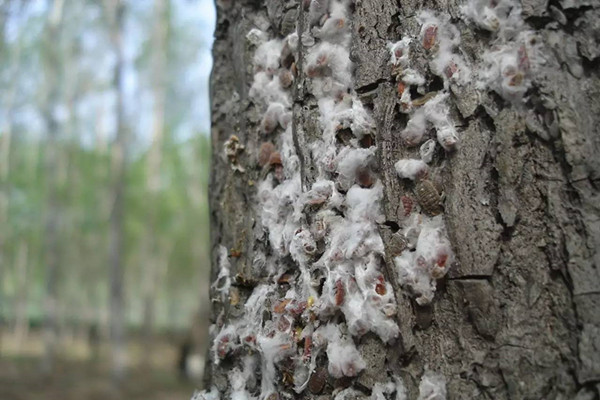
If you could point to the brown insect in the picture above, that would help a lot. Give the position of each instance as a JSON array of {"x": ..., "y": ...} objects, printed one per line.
[
  {"x": 380, "y": 286},
  {"x": 441, "y": 259},
  {"x": 268, "y": 123},
  {"x": 275, "y": 158},
  {"x": 279, "y": 308},
  {"x": 285, "y": 78},
  {"x": 429, "y": 37},
  {"x": 275, "y": 163},
  {"x": 450, "y": 69},
  {"x": 429, "y": 197},
  {"x": 401, "y": 88},
  {"x": 407, "y": 203},
  {"x": 307, "y": 347},
  {"x": 339, "y": 292},
  {"x": 288, "y": 23},
  {"x": 317, "y": 380},
  {"x": 398, "y": 52},
  {"x": 223, "y": 347},
  {"x": 364, "y": 177},
  {"x": 264, "y": 154},
  {"x": 397, "y": 244}
]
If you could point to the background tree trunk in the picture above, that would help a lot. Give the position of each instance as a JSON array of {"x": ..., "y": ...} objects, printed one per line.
[
  {"x": 53, "y": 74},
  {"x": 516, "y": 315},
  {"x": 116, "y": 12},
  {"x": 153, "y": 252}
]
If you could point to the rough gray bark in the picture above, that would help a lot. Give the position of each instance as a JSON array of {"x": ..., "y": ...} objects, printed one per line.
[{"x": 516, "y": 315}]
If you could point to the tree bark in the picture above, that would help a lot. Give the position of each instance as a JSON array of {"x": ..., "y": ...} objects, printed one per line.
[{"x": 514, "y": 314}]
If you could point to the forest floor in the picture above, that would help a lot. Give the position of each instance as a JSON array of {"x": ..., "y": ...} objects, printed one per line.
[{"x": 152, "y": 373}]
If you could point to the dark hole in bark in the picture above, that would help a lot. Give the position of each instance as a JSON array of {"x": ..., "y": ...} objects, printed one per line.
[
  {"x": 392, "y": 225},
  {"x": 436, "y": 84}
]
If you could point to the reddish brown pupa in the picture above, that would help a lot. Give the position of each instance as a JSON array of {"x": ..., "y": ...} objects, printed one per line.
[
  {"x": 307, "y": 347},
  {"x": 401, "y": 88},
  {"x": 441, "y": 259},
  {"x": 340, "y": 23},
  {"x": 339, "y": 292},
  {"x": 380, "y": 287},
  {"x": 223, "y": 347},
  {"x": 430, "y": 36},
  {"x": 275, "y": 158},
  {"x": 251, "y": 339},
  {"x": 407, "y": 203},
  {"x": 398, "y": 52},
  {"x": 364, "y": 177},
  {"x": 279, "y": 308},
  {"x": 285, "y": 78},
  {"x": 450, "y": 69},
  {"x": 268, "y": 123}
]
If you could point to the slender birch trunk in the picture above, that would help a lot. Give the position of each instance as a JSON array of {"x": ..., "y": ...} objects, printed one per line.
[
  {"x": 153, "y": 251},
  {"x": 116, "y": 12}
]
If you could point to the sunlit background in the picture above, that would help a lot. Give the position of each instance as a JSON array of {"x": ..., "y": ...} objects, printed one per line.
[{"x": 104, "y": 230}]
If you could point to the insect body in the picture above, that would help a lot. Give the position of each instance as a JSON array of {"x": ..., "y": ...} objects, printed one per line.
[
  {"x": 317, "y": 380},
  {"x": 429, "y": 197}
]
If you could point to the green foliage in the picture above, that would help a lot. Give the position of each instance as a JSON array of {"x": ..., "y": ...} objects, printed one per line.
[{"x": 175, "y": 217}]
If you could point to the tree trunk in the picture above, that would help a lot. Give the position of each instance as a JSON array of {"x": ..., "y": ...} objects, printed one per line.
[
  {"x": 52, "y": 74},
  {"x": 21, "y": 310},
  {"x": 116, "y": 11},
  {"x": 152, "y": 246},
  {"x": 444, "y": 154}
]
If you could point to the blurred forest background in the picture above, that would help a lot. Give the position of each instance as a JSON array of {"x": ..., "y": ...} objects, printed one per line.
[{"x": 104, "y": 231}]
